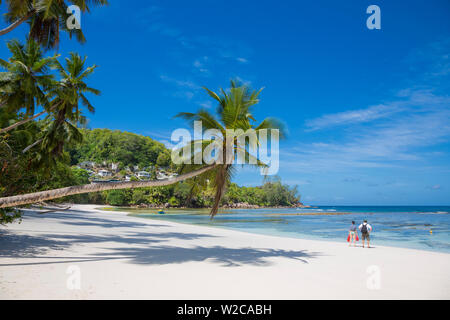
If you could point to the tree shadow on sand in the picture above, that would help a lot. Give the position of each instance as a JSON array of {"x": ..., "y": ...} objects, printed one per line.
[
  {"x": 134, "y": 246},
  {"x": 17, "y": 245},
  {"x": 138, "y": 248},
  {"x": 229, "y": 257},
  {"x": 84, "y": 219}
]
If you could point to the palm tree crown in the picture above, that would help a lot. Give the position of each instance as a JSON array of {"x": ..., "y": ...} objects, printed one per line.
[
  {"x": 234, "y": 111},
  {"x": 46, "y": 18},
  {"x": 27, "y": 77},
  {"x": 62, "y": 123}
]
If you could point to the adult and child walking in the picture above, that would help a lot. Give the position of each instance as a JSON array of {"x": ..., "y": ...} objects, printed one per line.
[{"x": 365, "y": 230}]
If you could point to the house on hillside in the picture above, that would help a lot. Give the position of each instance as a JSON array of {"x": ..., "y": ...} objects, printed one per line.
[
  {"x": 104, "y": 173},
  {"x": 164, "y": 175},
  {"x": 115, "y": 166},
  {"x": 143, "y": 175}
]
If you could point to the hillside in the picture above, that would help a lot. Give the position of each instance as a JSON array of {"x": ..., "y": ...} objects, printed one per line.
[{"x": 124, "y": 148}]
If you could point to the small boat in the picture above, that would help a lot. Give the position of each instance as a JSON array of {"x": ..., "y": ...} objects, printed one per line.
[{"x": 161, "y": 212}]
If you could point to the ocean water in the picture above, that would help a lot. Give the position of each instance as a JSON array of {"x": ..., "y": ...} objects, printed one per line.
[{"x": 399, "y": 226}]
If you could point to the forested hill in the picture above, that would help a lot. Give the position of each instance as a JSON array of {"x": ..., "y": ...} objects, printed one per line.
[
  {"x": 128, "y": 149},
  {"x": 105, "y": 146}
]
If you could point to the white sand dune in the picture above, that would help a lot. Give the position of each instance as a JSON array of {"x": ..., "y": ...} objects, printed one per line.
[{"x": 123, "y": 257}]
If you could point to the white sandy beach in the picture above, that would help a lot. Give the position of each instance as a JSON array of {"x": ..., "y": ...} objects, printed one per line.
[{"x": 124, "y": 257}]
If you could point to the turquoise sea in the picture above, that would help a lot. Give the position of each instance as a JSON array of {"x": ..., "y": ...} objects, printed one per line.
[{"x": 399, "y": 226}]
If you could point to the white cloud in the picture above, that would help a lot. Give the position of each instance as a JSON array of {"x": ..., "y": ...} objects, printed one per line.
[
  {"x": 206, "y": 104},
  {"x": 351, "y": 117},
  {"x": 180, "y": 83},
  {"x": 186, "y": 89},
  {"x": 200, "y": 65},
  {"x": 395, "y": 141},
  {"x": 410, "y": 101}
]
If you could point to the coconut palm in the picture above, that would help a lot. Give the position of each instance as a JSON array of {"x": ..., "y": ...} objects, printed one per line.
[
  {"x": 61, "y": 125},
  {"x": 46, "y": 18},
  {"x": 68, "y": 95},
  {"x": 27, "y": 84},
  {"x": 26, "y": 80},
  {"x": 234, "y": 111}
]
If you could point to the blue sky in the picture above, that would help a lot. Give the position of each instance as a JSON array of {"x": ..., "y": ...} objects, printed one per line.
[{"x": 367, "y": 110}]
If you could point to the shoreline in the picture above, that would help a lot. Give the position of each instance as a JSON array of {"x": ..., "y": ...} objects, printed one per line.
[
  {"x": 303, "y": 236},
  {"x": 228, "y": 207},
  {"x": 300, "y": 237},
  {"x": 125, "y": 257}
]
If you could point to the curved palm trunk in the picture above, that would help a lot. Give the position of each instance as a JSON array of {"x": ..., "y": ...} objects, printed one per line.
[
  {"x": 93, "y": 187},
  {"x": 17, "y": 23},
  {"x": 32, "y": 145},
  {"x": 221, "y": 180},
  {"x": 18, "y": 123},
  {"x": 22, "y": 122}
]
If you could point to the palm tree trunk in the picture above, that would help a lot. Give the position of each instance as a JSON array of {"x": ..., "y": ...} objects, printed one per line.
[
  {"x": 32, "y": 145},
  {"x": 221, "y": 180},
  {"x": 27, "y": 120},
  {"x": 93, "y": 187},
  {"x": 17, "y": 23},
  {"x": 22, "y": 122}
]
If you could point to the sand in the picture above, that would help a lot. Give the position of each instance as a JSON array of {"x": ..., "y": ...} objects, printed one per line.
[{"x": 84, "y": 253}]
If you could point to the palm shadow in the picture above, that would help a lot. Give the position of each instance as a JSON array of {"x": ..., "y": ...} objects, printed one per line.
[
  {"x": 139, "y": 248},
  {"x": 228, "y": 257},
  {"x": 135, "y": 246},
  {"x": 80, "y": 218}
]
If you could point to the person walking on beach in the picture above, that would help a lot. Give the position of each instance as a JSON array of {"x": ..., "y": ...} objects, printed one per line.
[
  {"x": 365, "y": 229},
  {"x": 352, "y": 233}
]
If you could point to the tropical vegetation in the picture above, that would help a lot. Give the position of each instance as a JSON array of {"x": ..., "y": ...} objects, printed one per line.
[{"x": 43, "y": 104}]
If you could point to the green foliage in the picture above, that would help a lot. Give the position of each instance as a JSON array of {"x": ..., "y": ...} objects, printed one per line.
[
  {"x": 115, "y": 146},
  {"x": 96, "y": 198},
  {"x": 8, "y": 215},
  {"x": 174, "y": 202},
  {"x": 272, "y": 193},
  {"x": 118, "y": 197},
  {"x": 163, "y": 159},
  {"x": 80, "y": 176},
  {"x": 138, "y": 197},
  {"x": 26, "y": 78}
]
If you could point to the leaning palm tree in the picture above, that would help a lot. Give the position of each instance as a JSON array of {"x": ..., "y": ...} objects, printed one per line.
[
  {"x": 24, "y": 83},
  {"x": 46, "y": 18},
  {"x": 234, "y": 112}
]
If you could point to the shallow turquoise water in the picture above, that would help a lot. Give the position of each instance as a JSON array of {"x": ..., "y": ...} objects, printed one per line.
[{"x": 398, "y": 226}]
